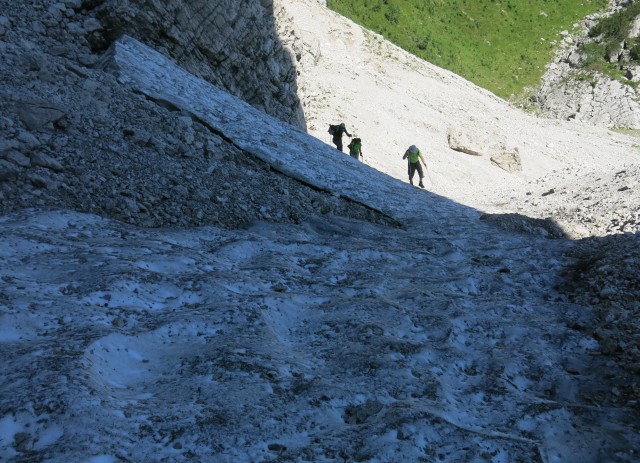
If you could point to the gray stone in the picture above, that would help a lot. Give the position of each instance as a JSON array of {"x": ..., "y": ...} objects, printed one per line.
[
  {"x": 8, "y": 144},
  {"x": 38, "y": 181},
  {"x": 91, "y": 25},
  {"x": 8, "y": 170},
  {"x": 359, "y": 414},
  {"x": 28, "y": 139},
  {"x": 17, "y": 158},
  {"x": 575, "y": 59},
  {"x": 467, "y": 141},
  {"x": 36, "y": 115},
  {"x": 632, "y": 73},
  {"x": 40, "y": 159},
  {"x": 38, "y": 27},
  {"x": 75, "y": 28},
  {"x": 635, "y": 29},
  {"x": 73, "y": 4},
  {"x": 4, "y": 25},
  {"x": 508, "y": 160}
]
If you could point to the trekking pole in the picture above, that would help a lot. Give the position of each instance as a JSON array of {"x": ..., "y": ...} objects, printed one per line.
[{"x": 428, "y": 174}]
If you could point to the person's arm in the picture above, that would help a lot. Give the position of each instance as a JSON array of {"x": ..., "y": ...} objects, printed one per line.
[
  {"x": 405, "y": 155},
  {"x": 348, "y": 134},
  {"x": 422, "y": 159}
]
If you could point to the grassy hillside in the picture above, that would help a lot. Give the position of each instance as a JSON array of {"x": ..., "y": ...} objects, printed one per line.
[{"x": 501, "y": 45}]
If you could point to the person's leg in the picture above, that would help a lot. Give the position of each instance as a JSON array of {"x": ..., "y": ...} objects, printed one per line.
[
  {"x": 420, "y": 174},
  {"x": 339, "y": 144},
  {"x": 412, "y": 171}
]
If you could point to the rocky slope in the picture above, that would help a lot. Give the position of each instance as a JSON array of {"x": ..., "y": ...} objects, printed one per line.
[
  {"x": 73, "y": 137},
  {"x": 569, "y": 91},
  {"x": 480, "y": 151}
]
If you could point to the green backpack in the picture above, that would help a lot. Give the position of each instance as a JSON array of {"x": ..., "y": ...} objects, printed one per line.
[{"x": 354, "y": 146}]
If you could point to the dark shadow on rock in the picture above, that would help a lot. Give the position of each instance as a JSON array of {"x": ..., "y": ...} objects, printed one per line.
[
  {"x": 232, "y": 44},
  {"x": 519, "y": 223},
  {"x": 604, "y": 273}
]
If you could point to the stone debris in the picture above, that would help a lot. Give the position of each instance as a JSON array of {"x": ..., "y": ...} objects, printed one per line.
[{"x": 570, "y": 92}]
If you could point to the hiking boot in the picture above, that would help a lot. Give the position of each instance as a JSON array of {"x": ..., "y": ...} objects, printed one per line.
[
  {"x": 411, "y": 181},
  {"x": 421, "y": 185}
]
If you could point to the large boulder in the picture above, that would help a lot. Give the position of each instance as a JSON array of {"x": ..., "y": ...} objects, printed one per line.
[
  {"x": 508, "y": 160},
  {"x": 468, "y": 141}
]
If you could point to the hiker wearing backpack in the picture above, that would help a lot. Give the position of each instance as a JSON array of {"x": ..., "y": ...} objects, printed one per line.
[
  {"x": 355, "y": 148},
  {"x": 336, "y": 132},
  {"x": 414, "y": 157}
]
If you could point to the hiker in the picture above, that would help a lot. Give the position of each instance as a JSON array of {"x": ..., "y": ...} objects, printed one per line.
[
  {"x": 336, "y": 131},
  {"x": 355, "y": 148},
  {"x": 414, "y": 157}
]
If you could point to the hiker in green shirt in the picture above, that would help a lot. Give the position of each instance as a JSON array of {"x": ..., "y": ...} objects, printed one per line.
[
  {"x": 355, "y": 148},
  {"x": 414, "y": 157}
]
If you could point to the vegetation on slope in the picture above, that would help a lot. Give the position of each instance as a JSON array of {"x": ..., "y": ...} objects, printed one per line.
[
  {"x": 501, "y": 45},
  {"x": 608, "y": 38}
]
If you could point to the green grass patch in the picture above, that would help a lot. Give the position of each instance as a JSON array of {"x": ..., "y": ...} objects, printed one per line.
[
  {"x": 501, "y": 45},
  {"x": 631, "y": 132}
]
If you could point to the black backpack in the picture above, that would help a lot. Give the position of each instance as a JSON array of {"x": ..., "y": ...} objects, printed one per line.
[{"x": 334, "y": 129}]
